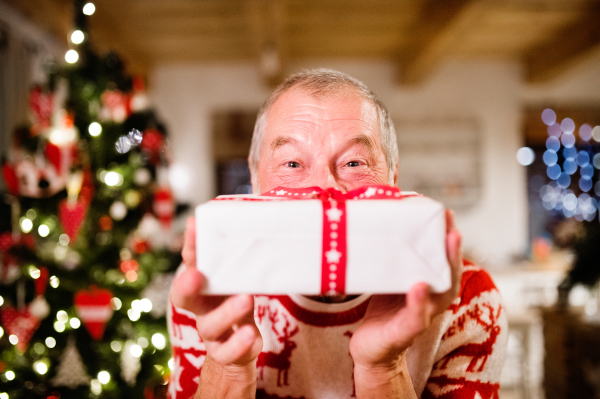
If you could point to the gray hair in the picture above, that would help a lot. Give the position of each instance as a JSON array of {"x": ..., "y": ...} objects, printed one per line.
[{"x": 322, "y": 83}]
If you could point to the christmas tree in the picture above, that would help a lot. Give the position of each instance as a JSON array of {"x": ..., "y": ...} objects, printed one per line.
[{"x": 86, "y": 269}]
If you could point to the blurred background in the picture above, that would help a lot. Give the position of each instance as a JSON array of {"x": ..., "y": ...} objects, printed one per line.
[{"x": 118, "y": 117}]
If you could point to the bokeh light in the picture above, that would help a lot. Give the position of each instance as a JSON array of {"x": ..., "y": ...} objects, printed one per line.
[
  {"x": 585, "y": 132},
  {"x": 525, "y": 156},
  {"x": 95, "y": 129},
  {"x": 548, "y": 116},
  {"x": 570, "y": 166},
  {"x": 568, "y": 140},
  {"x": 553, "y": 171},
  {"x": 567, "y": 125},
  {"x": 553, "y": 143},
  {"x": 550, "y": 157},
  {"x": 71, "y": 56},
  {"x": 89, "y": 9},
  {"x": 564, "y": 180},
  {"x": 77, "y": 37},
  {"x": 582, "y": 158}
]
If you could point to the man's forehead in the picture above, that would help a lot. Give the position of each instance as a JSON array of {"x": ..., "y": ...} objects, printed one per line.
[{"x": 294, "y": 100}]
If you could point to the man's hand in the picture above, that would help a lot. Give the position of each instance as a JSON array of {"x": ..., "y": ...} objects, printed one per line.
[
  {"x": 392, "y": 322},
  {"x": 225, "y": 324}
]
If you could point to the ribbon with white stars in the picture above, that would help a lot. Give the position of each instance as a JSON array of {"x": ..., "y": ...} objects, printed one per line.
[{"x": 334, "y": 249}]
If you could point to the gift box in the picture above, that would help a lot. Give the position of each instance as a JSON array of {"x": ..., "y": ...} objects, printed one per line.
[{"x": 375, "y": 239}]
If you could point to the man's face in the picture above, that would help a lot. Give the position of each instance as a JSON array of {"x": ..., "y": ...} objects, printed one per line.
[{"x": 329, "y": 142}]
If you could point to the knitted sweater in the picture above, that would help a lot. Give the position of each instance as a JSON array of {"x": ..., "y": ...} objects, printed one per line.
[{"x": 306, "y": 346}]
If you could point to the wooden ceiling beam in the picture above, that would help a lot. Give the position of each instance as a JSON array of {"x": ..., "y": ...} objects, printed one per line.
[
  {"x": 440, "y": 26},
  {"x": 549, "y": 60}
]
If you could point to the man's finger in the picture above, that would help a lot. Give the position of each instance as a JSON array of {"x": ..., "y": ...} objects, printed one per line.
[
  {"x": 236, "y": 347},
  {"x": 221, "y": 320},
  {"x": 185, "y": 292},
  {"x": 188, "y": 253}
]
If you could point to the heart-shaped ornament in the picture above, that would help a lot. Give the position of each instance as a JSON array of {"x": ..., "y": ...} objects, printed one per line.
[
  {"x": 20, "y": 323},
  {"x": 93, "y": 308}
]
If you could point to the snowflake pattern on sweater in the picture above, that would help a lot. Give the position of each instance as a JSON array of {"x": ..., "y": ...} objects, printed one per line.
[{"x": 306, "y": 346}]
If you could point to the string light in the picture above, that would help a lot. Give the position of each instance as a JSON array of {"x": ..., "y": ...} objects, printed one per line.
[
  {"x": 1, "y": 300},
  {"x": 40, "y": 367},
  {"x": 95, "y": 129},
  {"x": 50, "y": 342},
  {"x": 1, "y": 332},
  {"x": 43, "y": 230},
  {"x": 62, "y": 316},
  {"x": 71, "y": 56},
  {"x": 75, "y": 323},
  {"x": 89, "y": 9},
  {"x": 26, "y": 225},
  {"x": 116, "y": 346},
  {"x": 59, "y": 326},
  {"x": 136, "y": 350},
  {"x": 146, "y": 305},
  {"x": 133, "y": 315},
  {"x": 96, "y": 386},
  {"x": 10, "y": 375},
  {"x": 158, "y": 340},
  {"x": 77, "y": 37},
  {"x": 143, "y": 342},
  {"x": 104, "y": 377},
  {"x": 115, "y": 303},
  {"x": 525, "y": 156},
  {"x": 54, "y": 282},
  {"x": 113, "y": 178},
  {"x": 34, "y": 272},
  {"x": 3, "y": 395},
  {"x": 13, "y": 339}
]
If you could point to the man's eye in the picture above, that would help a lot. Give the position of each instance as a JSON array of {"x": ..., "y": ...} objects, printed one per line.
[
  {"x": 292, "y": 164},
  {"x": 353, "y": 164}
]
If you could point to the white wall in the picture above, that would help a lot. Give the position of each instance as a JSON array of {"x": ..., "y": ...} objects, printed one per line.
[{"x": 491, "y": 92}]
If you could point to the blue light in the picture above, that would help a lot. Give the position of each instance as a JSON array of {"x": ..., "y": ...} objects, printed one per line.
[
  {"x": 583, "y": 158},
  {"x": 552, "y": 143},
  {"x": 569, "y": 166},
  {"x": 550, "y": 157},
  {"x": 585, "y": 184},
  {"x": 553, "y": 171},
  {"x": 587, "y": 171},
  {"x": 564, "y": 180},
  {"x": 569, "y": 153},
  {"x": 568, "y": 140}
]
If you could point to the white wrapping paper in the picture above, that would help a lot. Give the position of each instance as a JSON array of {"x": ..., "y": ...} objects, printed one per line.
[{"x": 275, "y": 247}]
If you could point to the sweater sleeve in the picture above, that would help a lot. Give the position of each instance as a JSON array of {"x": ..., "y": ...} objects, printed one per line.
[
  {"x": 472, "y": 349},
  {"x": 187, "y": 349}
]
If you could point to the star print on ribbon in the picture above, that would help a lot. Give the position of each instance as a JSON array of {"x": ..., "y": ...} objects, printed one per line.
[{"x": 334, "y": 249}]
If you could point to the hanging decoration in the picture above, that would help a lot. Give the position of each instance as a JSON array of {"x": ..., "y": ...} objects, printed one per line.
[
  {"x": 71, "y": 371},
  {"x": 164, "y": 206},
  {"x": 19, "y": 322},
  {"x": 93, "y": 308},
  {"x": 71, "y": 216}
]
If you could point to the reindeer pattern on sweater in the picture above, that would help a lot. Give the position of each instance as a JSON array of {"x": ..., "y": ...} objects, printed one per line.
[{"x": 306, "y": 346}]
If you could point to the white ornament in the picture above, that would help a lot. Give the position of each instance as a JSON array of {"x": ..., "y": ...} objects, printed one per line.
[
  {"x": 158, "y": 293},
  {"x": 130, "y": 365},
  {"x": 39, "y": 307},
  {"x": 118, "y": 210},
  {"x": 142, "y": 177},
  {"x": 71, "y": 370}
]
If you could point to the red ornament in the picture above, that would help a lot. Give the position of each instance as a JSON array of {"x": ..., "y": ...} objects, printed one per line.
[
  {"x": 53, "y": 154},
  {"x": 42, "y": 105},
  {"x": 71, "y": 217},
  {"x": 164, "y": 206},
  {"x": 152, "y": 142},
  {"x": 10, "y": 178},
  {"x": 93, "y": 308},
  {"x": 20, "y": 323}
]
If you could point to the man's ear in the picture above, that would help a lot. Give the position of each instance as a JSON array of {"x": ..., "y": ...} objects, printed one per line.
[{"x": 253, "y": 179}]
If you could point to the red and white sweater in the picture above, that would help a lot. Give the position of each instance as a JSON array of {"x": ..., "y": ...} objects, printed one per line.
[{"x": 305, "y": 352}]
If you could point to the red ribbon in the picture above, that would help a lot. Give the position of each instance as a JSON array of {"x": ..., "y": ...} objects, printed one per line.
[{"x": 334, "y": 249}]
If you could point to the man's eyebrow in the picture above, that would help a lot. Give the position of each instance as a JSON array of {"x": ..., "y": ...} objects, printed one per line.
[
  {"x": 281, "y": 141},
  {"x": 365, "y": 140}
]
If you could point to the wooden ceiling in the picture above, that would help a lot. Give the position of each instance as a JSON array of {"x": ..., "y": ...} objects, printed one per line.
[{"x": 548, "y": 36}]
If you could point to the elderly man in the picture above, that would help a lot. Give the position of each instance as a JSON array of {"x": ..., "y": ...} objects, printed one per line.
[{"x": 324, "y": 128}]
